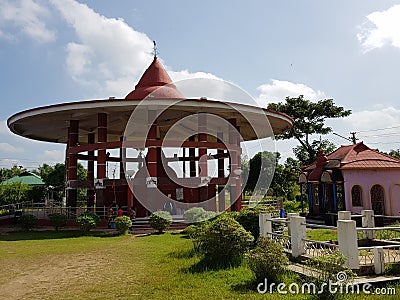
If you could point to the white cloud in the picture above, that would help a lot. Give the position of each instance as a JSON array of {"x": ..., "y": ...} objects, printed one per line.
[
  {"x": 278, "y": 90},
  {"x": 9, "y": 163},
  {"x": 3, "y": 128},
  {"x": 109, "y": 55},
  {"x": 27, "y": 17},
  {"x": 7, "y": 148},
  {"x": 382, "y": 28},
  {"x": 78, "y": 59},
  {"x": 373, "y": 119},
  {"x": 53, "y": 156}
]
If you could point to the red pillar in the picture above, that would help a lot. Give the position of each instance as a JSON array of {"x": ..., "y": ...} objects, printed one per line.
[
  {"x": 101, "y": 157},
  {"x": 101, "y": 137},
  {"x": 192, "y": 162},
  {"x": 236, "y": 187},
  {"x": 203, "y": 167},
  {"x": 122, "y": 164},
  {"x": 72, "y": 163},
  {"x": 90, "y": 172},
  {"x": 152, "y": 179},
  {"x": 221, "y": 174}
]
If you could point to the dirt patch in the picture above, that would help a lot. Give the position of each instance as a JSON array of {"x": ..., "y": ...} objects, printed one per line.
[{"x": 53, "y": 274}]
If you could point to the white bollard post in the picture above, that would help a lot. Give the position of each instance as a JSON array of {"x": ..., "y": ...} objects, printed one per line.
[
  {"x": 347, "y": 238},
  {"x": 344, "y": 215},
  {"x": 379, "y": 260},
  {"x": 265, "y": 224},
  {"x": 289, "y": 215},
  {"x": 298, "y": 234},
  {"x": 368, "y": 221}
]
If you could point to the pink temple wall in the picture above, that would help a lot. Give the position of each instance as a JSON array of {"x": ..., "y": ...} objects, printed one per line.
[{"x": 388, "y": 179}]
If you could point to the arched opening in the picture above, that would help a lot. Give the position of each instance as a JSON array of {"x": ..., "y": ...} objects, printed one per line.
[
  {"x": 356, "y": 196},
  {"x": 378, "y": 199}
]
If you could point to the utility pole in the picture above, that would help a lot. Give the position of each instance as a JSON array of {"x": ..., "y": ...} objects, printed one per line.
[{"x": 353, "y": 137}]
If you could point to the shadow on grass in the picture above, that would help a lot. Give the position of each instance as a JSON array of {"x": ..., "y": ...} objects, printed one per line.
[
  {"x": 207, "y": 264},
  {"x": 189, "y": 253},
  {"x": 245, "y": 287},
  {"x": 52, "y": 234}
]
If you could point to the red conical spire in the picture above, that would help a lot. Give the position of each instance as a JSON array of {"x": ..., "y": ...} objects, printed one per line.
[{"x": 155, "y": 81}]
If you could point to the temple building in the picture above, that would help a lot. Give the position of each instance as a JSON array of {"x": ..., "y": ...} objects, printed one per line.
[
  {"x": 352, "y": 178},
  {"x": 140, "y": 129}
]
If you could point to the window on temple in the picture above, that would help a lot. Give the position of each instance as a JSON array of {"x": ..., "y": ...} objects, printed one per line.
[
  {"x": 378, "y": 199},
  {"x": 356, "y": 196}
]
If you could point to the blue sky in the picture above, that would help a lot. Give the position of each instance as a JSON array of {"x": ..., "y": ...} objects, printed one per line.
[{"x": 59, "y": 51}]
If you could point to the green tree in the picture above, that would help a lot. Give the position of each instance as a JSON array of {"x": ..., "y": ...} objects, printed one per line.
[
  {"x": 284, "y": 184},
  {"x": 55, "y": 176},
  {"x": 395, "y": 153},
  {"x": 309, "y": 118},
  {"x": 304, "y": 156},
  {"x": 9, "y": 173},
  {"x": 261, "y": 171},
  {"x": 14, "y": 192}
]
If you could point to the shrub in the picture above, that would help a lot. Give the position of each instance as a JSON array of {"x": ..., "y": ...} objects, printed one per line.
[
  {"x": 328, "y": 266},
  {"x": 223, "y": 241},
  {"x": 392, "y": 269},
  {"x": 88, "y": 221},
  {"x": 58, "y": 220},
  {"x": 160, "y": 220},
  {"x": 195, "y": 232},
  {"x": 197, "y": 214},
  {"x": 28, "y": 222},
  {"x": 267, "y": 260},
  {"x": 292, "y": 206},
  {"x": 249, "y": 218},
  {"x": 123, "y": 224}
]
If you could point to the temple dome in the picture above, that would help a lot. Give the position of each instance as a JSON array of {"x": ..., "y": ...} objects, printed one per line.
[{"x": 155, "y": 81}]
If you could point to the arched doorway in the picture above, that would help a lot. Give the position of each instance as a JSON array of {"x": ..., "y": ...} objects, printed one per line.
[{"x": 378, "y": 199}]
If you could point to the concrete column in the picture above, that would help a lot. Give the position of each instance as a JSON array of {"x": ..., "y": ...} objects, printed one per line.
[
  {"x": 289, "y": 216},
  {"x": 379, "y": 260},
  {"x": 265, "y": 224},
  {"x": 347, "y": 237},
  {"x": 298, "y": 234},
  {"x": 344, "y": 215},
  {"x": 72, "y": 167},
  {"x": 368, "y": 221},
  {"x": 90, "y": 171}
]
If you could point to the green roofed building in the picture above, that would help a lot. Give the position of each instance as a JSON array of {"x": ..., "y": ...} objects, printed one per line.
[{"x": 26, "y": 178}]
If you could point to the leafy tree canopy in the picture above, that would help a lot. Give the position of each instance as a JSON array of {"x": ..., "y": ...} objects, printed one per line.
[
  {"x": 309, "y": 118},
  {"x": 395, "y": 153},
  {"x": 9, "y": 173},
  {"x": 304, "y": 156},
  {"x": 265, "y": 173}
]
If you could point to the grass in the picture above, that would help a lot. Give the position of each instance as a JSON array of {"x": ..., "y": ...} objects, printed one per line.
[
  {"x": 322, "y": 235},
  {"x": 66, "y": 265},
  {"x": 51, "y": 265}
]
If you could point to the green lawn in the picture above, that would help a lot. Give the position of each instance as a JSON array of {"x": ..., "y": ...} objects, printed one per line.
[{"x": 50, "y": 265}]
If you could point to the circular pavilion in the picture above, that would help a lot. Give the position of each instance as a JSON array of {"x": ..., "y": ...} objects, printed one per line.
[{"x": 150, "y": 119}]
